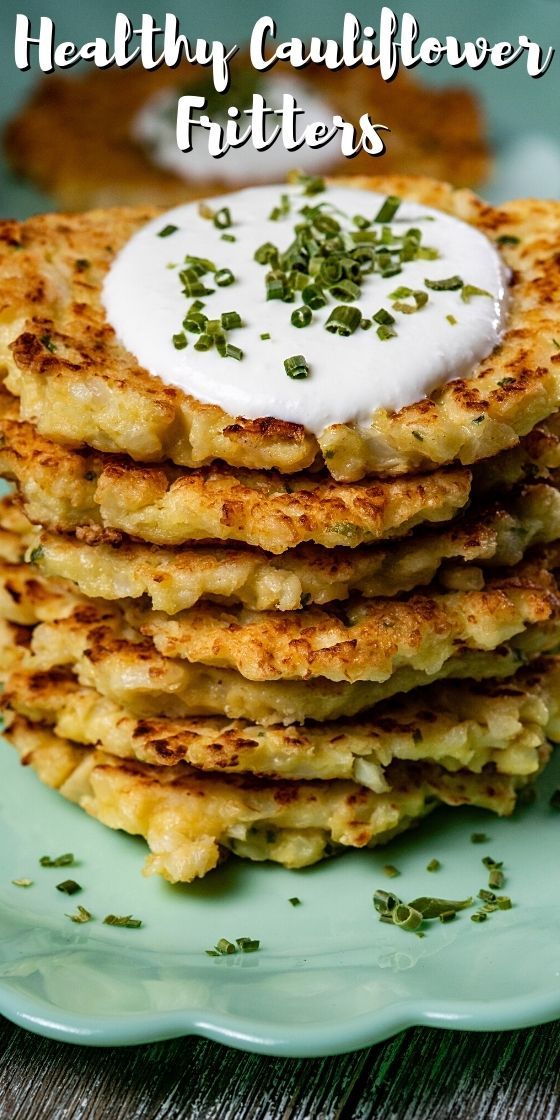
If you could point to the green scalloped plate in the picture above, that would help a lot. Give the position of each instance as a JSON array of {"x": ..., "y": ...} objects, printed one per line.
[{"x": 329, "y": 977}]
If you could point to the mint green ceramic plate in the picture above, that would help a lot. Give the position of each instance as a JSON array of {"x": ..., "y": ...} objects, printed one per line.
[{"x": 329, "y": 976}]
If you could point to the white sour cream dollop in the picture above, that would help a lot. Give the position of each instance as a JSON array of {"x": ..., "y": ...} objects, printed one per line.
[
  {"x": 154, "y": 127},
  {"x": 349, "y": 378}
]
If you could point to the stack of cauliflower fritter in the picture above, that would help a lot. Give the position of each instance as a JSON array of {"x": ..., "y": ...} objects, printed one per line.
[{"x": 226, "y": 635}]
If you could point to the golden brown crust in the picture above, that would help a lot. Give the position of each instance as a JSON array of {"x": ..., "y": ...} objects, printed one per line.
[
  {"x": 93, "y": 640},
  {"x": 176, "y": 579},
  {"x": 45, "y": 292},
  {"x": 357, "y": 641},
  {"x": 69, "y": 490},
  {"x": 189, "y": 818},
  {"x": 73, "y": 137},
  {"x": 459, "y": 726}
]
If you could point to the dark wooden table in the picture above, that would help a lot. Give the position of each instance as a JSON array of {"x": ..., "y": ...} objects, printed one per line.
[{"x": 420, "y": 1075}]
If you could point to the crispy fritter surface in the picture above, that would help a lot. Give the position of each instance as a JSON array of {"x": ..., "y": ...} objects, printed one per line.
[
  {"x": 95, "y": 643},
  {"x": 189, "y": 818},
  {"x": 433, "y": 132},
  {"x": 16, "y": 532},
  {"x": 15, "y": 641},
  {"x": 102, "y": 497},
  {"x": 176, "y": 579},
  {"x": 460, "y": 726},
  {"x": 364, "y": 640},
  {"x": 27, "y": 597},
  {"x": 81, "y": 386},
  {"x": 360, "y": 641}
]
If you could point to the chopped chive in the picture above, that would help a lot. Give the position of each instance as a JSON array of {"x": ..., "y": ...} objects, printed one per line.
[
  {"x": 343, "y": 320},
  {"x": 384, "y": 332},
  {"x": 391, "y": 871},
  {"x": 496, "y": 878},
  {"x": 69, "y": 886},
  {"x": 282, "y": 209},
  {"x": 48, "y": 343},
  {"x": 507, "y": 239},
  {"x": 470, "y": 290},
  {"x": 228, "y": 237},
  {"x": 401, "y": 293},
  {"x": 406, "y": 917},
  {"x": 126, "y": 922},
  {"x": 361, "y": 222},
  {"x": 230, "y": 320},
  {"x": 301, "y": 316},
  {"x": 451, "y": 319},
  {"x": 180, "y": 341},
  {"x": 383, "y": 316},
  {"x": 385, "y": 902},
  {"x": 66, "y": 860},
  {"x": 276, "y": 285},
  {"x": 506, "y": 381},
  {"x": 205, "y": 211},
  {"x": 366, "y": 324},
  {"x": 486, "y": 896},
  {"x": 204, "y": 342},
  {"x": 479, "y": 916},
  {"x": 420, "y": 300},
  {"x": 36, "y": 554},
  {"x": 313, "y": 296},
  {"x": 346, "y": 290},
  {"x": 224, "y": 277},
  {"x": 196, "y": 288},
  {"x": 167, "y": 231},
  {"x": 388, "y": 270},
  {"x": 266, "y": 253},
  {"x": 294, "y": 901},
  {"x": 195, "y": 321},
  {"x": 312, "y": 184},
  {"x": 433, "y": 865},
  {"x": 296, "y": 367},
  {"x": 265, "y": 336},
  {"x": 225, "y": 947},
  {"x": 479, "y": 838},
  {"x": 478, "y": 419},
  {"x": 451, "y": 284},
  {"x": 22, "y": 882},
  {"x": 222, "y": 218},
  {"x": 556, "y": 344},
  {"x": 418, "y": 435},
  {"x": 81, "y": 916},
  {"x": 248, "y": 944},
  {"x": 447, "y": 915},
  {"x": 201, "y": 265},
  {"x": 504, "y": 903},
  {"x": 388, "y": 210},
  {"x": 81, "y": 264},
  {"x": 232, "y": 351}
]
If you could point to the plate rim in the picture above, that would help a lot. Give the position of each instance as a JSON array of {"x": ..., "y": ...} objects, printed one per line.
[{"x": 246, "y": 1034}]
